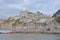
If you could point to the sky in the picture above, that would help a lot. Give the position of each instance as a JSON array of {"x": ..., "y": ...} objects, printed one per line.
[{"x": 13, "y": 7}]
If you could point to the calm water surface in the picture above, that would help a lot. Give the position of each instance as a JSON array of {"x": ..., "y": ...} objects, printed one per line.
[{"x": 29, "y": 36}]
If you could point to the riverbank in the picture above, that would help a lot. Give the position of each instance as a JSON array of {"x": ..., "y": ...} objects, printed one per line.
[
  {"x": 33, "y": 32},
  {"x": 47, "y": 32}
]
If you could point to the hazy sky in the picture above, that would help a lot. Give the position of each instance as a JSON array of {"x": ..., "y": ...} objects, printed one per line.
[{"x": 12, "y": 7}]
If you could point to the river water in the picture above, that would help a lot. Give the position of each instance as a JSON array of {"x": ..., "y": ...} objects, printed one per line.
[{"x": 29, "y": 36}]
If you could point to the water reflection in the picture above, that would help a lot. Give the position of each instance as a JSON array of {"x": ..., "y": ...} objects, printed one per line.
[{"x": 29, "y": 36}]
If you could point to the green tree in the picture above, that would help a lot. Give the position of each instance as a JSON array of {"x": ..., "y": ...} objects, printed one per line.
[
  {"x": 45, "y": 24},
  {"x": 58, "y": 19},
  {"x": 13, "y": 24}
]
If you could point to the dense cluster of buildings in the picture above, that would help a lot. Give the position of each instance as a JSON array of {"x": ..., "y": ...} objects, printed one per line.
[{"x": 27, "y": 21}]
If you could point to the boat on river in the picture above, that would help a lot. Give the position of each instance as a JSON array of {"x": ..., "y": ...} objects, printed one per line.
[{"x": 6, "y": 31}]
